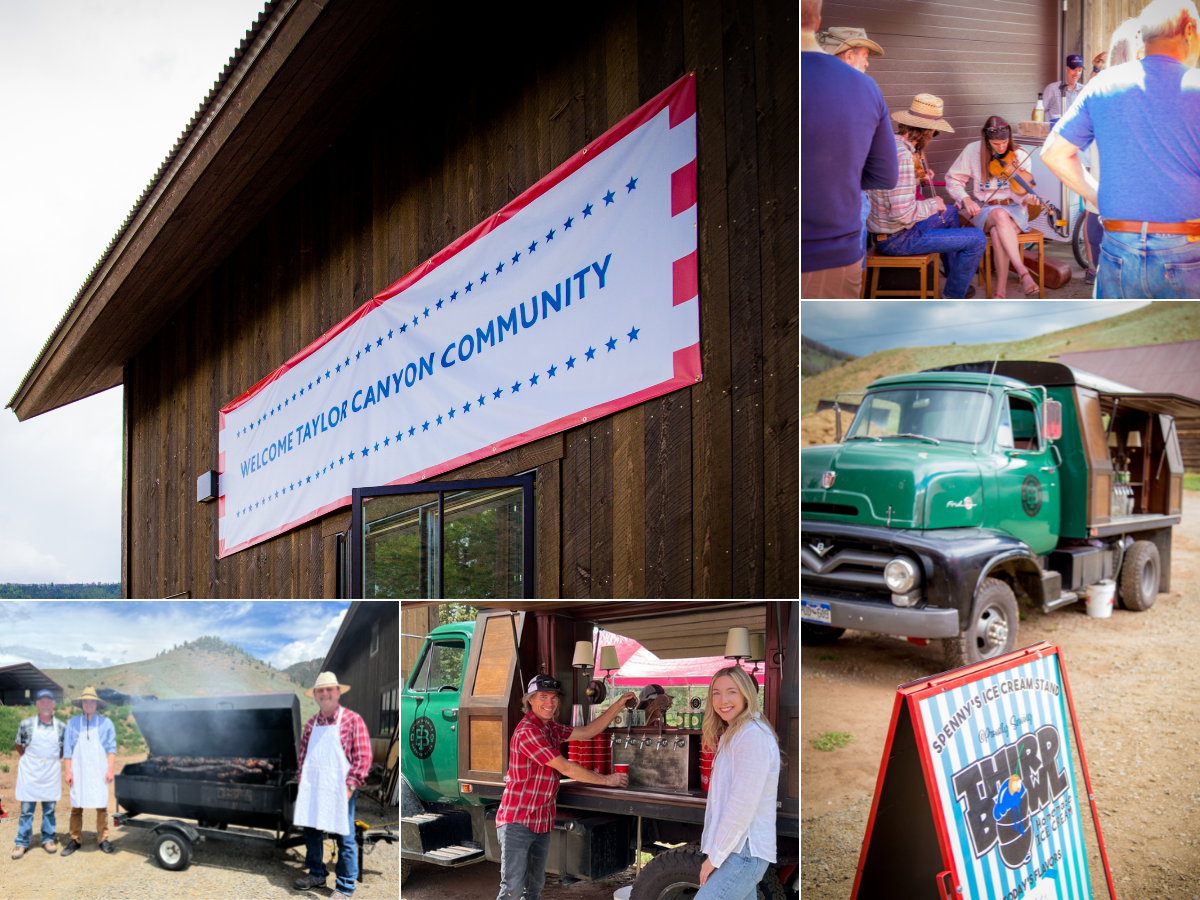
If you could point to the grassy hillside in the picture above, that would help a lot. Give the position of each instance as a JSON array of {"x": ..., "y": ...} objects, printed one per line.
[
  {"x": 305, "y": 673},
  {"x": 1158, "y": 323},
  {"x": 129, "y": 738},
  {"x": 97, "y": 591},
  {"x": 815, "y": 357},
  {"x": 188, "y": 671}
]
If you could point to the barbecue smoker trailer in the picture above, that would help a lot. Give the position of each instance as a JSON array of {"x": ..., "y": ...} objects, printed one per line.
[{"x": 216, "y": 762}]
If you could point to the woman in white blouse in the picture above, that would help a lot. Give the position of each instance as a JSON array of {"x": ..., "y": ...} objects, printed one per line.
[
  {"x": 999, "y": 211},
  {"x": 739, "y": 821}
]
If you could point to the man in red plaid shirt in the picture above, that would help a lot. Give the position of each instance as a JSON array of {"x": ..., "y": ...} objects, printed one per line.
[{"x": 527, "y": 807}]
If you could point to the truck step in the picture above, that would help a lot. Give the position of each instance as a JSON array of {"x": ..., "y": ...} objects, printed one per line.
[
  {"x": 429, "y": 832},
  {"x": 1065, "y": 598},
  {"x": 452, "y": 856}
]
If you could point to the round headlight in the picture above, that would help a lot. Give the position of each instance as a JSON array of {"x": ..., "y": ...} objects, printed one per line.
[{"x": 900, "y": 575}]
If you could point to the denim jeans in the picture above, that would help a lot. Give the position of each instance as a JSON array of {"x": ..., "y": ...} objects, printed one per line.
[
  {"x": 25, "y": 823},
  {"x": 962, "y": 247},
  {"x": 347, "y": 853},
  {"x": 1156, "y": 267},
  {"x": 736, "y": 879},
  {"x": 523, "y": 857},
  {"x": 863, "y": 213}
]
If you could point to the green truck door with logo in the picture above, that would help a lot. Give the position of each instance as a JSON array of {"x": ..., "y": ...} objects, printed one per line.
[
  {"x": 1026, "y": 477},
  {"x": 429, "y": 713}
]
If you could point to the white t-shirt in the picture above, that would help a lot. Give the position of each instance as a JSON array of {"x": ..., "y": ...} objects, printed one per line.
[{"x": 742, "y": 795}]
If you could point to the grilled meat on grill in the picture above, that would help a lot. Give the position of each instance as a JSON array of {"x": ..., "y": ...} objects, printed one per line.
[{"x": 204, "y": 768}]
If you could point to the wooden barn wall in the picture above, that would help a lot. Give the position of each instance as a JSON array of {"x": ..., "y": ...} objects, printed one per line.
[
  {"x": 368, "y": 675},
  {"x": 690, "y": 494},
  {"x": 982, "y": 57}
]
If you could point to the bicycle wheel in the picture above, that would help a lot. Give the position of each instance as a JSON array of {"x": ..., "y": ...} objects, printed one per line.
[{"x": 1079, "y": 241}]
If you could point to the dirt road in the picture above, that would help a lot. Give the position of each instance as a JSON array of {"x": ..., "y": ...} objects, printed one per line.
[
  {"x": 1135, "y": 682},
  {"x": 481, "y": 881}
]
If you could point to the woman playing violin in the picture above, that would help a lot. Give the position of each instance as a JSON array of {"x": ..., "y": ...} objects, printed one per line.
[{"x": 996, "y": 207}]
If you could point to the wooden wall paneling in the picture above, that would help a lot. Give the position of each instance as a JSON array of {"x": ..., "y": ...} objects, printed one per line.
[
  {"x": 203, "y": 516},
  {"x": 777, "y": 82},
  {"x": 745, "y": 297},
  {"x": 126, "y": 468},
  {"x": 549, "y": 529},
  {"x": 600, "y": 528},
  {"x": 620, "y": 59},
  {"x": 712, "y": 508},
  {"x": 576, "y": 518},
  {"x": 195, "y": 455},
  {"x": 660, "y": 46},
  {"x": 669, "y": 495},
  {"x": 629, "y": 502},
  {"x": 364, "y": 203},
  {"x": 278, "y": 291}
]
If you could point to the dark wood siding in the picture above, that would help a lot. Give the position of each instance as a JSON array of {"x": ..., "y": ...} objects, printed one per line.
[
  {"x": 367, "y": 675},
  {"x": 982, "y": 57},
  {"x": 692, "y": 494}
]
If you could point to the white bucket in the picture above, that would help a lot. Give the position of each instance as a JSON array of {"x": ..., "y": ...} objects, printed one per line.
[
  {"x": 1100, "y": 598},
  {"x": 623, "y": 893}
]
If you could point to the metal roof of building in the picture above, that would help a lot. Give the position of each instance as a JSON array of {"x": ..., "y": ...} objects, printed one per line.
[
  {"x": 26, "y": 676},
  {"x": 1160, "y": 368}
]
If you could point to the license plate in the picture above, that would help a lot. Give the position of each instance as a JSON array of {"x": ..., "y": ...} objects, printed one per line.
[{"x": 815, "y": 611}]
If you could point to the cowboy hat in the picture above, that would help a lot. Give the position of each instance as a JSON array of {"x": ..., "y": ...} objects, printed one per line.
[
  {"x": 834, "y": 40},
  {"x": 89, "y": 693},
  {"x": 925, "y": 112},
  {"x": 327, "y": 679}
]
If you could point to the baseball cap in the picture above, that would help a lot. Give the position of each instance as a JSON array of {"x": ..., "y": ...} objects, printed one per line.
[
  {"x": 651, "y": 691},
  {"x": 42, "y": 694},
  {"x": 1074, "y": 61},
  {"x": 543, "y": 683}
]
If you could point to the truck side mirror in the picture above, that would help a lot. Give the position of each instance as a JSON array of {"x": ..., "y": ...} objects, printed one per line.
[{"x": 1052, "y": 420}]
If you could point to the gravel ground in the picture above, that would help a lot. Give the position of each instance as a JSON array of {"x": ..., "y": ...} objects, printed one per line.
[
  {"x": 1134, "y": 683},
  {"x": 218, "y": 869}
]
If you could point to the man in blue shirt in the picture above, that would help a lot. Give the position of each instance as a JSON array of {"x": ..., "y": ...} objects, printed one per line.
[
  {"x": 90, "y": 751},
  {"x": 847, "y": 146},
  {"x": 1144, "y": 117}
]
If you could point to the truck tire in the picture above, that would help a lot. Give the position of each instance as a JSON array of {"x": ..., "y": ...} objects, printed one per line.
[
  {"x": 675, "y": 875},
  {"x": 406, "y": 866},
  {"x": 819, "y": 635},
  {"x": 1140, "y": 576},
  {"x": 992, "y": 628}
]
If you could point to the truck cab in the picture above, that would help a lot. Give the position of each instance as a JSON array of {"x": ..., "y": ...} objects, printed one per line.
[
  {"x": 957, "y": 490},
  {"x": 461, "y": 702}
]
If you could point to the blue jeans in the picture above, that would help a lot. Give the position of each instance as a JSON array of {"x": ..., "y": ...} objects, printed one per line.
[
  {"x": 523, "y": 857},
  {"x": 347, "y": 853},
  {"x": 864, "y": 212},
  {"x": 962, "y": 247},
  {"x": 1156, "y": 267},
  {"x": 736, "y": 879},
  {"x": 25, "y": 823}
]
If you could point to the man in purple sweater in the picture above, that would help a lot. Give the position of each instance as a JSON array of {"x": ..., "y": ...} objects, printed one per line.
[{"x": 847, "y": 146}]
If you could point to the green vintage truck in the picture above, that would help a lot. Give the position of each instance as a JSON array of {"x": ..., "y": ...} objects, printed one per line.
[
  {"x": 958, "y": 490},
  {"x": 462, "y": 700}
]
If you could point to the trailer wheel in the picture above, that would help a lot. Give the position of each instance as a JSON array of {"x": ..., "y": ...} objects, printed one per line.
[
  {"x": 817, "y": 635},
  {"x": 173, "y": 851},
  {"x": 992, "y": 629},
  {"x": 1139, "y": 576},
  {"x": 675, "y": 875}
]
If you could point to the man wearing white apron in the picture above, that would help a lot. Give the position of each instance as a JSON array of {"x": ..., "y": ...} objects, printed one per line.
[
  {"x": 90, "y": 749},
  {"x": 335, "y": 757},
  {"x": 39, "y": 746}
]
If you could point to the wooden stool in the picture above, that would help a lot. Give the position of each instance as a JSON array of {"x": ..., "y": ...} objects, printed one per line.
[
  {"x": 1032, "y": 236},
  {"x": 876, "y": 261}
]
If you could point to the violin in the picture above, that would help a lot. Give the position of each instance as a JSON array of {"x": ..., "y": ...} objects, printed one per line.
[
  {"x": 1020, "y": 181},
  {"x": 923, "y": 175}
]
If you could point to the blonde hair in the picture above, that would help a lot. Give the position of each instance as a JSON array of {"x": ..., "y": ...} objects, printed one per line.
[
  {"x": 714, "y": 725},
  {"x": 1164, "y": 19}
]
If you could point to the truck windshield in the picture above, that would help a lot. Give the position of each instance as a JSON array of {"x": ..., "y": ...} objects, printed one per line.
[{"x": 938, "y": 413}]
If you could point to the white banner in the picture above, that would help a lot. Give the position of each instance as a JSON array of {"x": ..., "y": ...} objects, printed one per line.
[{"x": 576, "y": 300}]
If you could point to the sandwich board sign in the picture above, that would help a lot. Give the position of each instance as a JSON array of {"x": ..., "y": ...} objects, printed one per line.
[{"x": 977, "y": 795}]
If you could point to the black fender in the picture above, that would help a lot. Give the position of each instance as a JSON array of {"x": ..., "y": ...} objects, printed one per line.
[
  {"x": 410, "y": 803},
  {"x": 953, "y": 561}
]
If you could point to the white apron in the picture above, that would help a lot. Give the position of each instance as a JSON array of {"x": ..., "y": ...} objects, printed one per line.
[
  {"x": 38, "y": 775},
  {"x": 321, "y": 801},
  {"x": 89, "y": 765}
]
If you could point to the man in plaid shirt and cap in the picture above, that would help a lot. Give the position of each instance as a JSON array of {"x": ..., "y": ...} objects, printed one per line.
[{"x": 527, "y": 807}]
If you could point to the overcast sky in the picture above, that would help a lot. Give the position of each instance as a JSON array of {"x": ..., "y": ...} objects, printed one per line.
[
  {"x": 82, "y": 634},
  {"x": 96, "y": 92},
  {"x": 862, "y": 327}
]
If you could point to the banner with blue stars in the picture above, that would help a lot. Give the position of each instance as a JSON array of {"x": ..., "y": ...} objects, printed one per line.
[{"x": 576, "y": 300}]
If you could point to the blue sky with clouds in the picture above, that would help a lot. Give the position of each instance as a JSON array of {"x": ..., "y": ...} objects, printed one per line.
[
  {"x": 89, "y": 634},
  {"x": 861, "y": 327}
]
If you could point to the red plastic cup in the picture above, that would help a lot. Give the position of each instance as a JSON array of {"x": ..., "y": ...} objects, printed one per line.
[{"x": 621, "y": 769}]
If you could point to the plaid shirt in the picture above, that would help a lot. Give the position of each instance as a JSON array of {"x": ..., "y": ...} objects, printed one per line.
[
  {"x": 899, "y": 208},
  {"x": 25, "y": 731},
  {"x": 356, "y": 741},
  {"x": 530, "y": 785}
]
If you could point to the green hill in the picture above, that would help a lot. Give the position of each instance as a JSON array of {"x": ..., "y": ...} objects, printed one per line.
[
  {"x": 305, "y": 673},
  {"x": 201, "y": 668},
  {"x": 1158, "y": 323},
  {"x": 815, "y": 357}
]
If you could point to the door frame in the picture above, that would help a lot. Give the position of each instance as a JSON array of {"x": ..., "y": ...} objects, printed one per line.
[{"x": 528, "y": 536}]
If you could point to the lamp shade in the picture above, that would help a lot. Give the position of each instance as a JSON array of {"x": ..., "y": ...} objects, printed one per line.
[
  {"x": 1134, "y": 439},
  {"x": 608, "y": 658},
  {"x": 583, "y": 655},
  {"x": 737, "y": 644},
  {"x": 1112, "y": 440},
  {"x": 758, "y": 646}
]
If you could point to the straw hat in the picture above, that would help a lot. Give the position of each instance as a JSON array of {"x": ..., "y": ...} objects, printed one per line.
[
  {"x": 925, "y": 112},
  {"x": 327, "y": 679},
  {"x": 89, "y": 693},
  {"x": 834, "y": 40}
]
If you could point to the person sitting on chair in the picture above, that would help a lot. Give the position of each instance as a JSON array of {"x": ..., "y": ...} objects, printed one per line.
[{"x": 999, "y": 211}]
